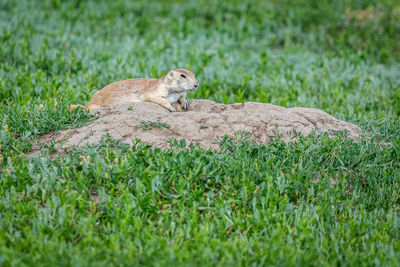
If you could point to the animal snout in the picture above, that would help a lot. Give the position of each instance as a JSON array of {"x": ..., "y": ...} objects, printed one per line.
[{"x": 196, "y": 85}]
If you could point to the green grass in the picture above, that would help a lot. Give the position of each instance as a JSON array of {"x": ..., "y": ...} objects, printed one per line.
[
  {"x": 317, "y": 202},
  {"x": 148, "y": 125}
]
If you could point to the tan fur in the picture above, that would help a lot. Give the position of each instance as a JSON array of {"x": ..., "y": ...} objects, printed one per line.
[
  {"x": 164, "y": 91},
  {"x": 73, "y": 107}
]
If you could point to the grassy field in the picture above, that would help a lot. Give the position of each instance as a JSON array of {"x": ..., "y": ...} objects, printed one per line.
[{"x": 318, "y": 202}]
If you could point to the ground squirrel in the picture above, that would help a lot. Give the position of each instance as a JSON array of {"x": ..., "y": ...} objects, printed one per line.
[{"x": 164, "y": 91}]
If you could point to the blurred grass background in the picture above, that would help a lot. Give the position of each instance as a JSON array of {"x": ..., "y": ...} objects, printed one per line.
[{"x": 341, "y": 56}]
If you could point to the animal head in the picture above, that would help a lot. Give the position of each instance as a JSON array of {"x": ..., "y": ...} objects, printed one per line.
[{"x": 181, "y": 80}]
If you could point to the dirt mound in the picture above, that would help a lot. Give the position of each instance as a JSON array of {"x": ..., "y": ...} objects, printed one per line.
[{"x": 203, "y": 123}]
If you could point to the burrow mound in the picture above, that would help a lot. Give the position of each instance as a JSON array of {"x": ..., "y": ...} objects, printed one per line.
[{"x": 203, "y": 123}]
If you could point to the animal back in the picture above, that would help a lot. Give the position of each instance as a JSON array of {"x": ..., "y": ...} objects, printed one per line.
[{"x": 122, "y": 91}]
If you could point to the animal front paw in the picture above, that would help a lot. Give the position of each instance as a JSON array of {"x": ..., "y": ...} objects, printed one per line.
[
  {"x": 170, "y": 108},
  {"x": 185, "y": 104}
]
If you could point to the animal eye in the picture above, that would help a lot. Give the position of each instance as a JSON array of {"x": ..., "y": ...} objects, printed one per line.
[{"x": 183, "y": 76}]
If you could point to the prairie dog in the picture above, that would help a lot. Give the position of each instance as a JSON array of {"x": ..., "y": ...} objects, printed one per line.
[{"x": 164, "y": 91}]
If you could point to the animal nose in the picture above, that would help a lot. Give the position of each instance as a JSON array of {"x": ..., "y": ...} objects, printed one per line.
[{"x": 197, "y": 84}]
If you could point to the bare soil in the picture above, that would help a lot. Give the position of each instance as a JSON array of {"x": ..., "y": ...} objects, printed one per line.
[{"x": 202, "y": 124}]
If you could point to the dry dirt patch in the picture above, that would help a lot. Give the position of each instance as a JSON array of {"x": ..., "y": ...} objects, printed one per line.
[{"x": 203, "y": 123}]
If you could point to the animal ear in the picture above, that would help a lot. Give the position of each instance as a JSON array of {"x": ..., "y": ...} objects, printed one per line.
[{"x": 171, "y": 74}]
